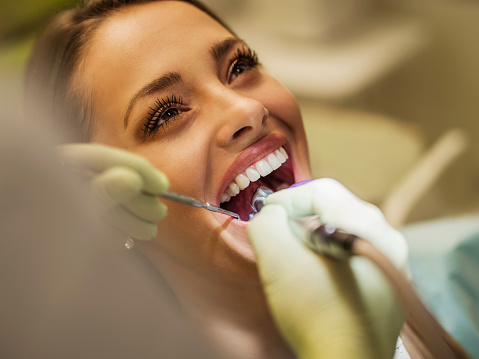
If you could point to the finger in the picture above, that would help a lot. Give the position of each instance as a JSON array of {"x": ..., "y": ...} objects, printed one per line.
[
  {"x": 97, "y": 158},
  {"x": 337, "y": 206},
  {"x": 296, "y": 201},
  {"x": 147, "y": 207},
  {"x": 116, "y": 185},
  {"x": 278, "y": 251},
  {"x": 131, "y": 225},
  {"x": 321, "y": 197},
  {"x": 119, "y": 185}
]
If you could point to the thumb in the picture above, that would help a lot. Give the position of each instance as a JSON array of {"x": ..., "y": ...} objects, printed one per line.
[
  {"x": 116, "y": 185},
  {"x": 276, "y": 247}
]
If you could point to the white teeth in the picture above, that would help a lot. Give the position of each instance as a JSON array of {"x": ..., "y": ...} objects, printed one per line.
[
  {"x": 225, "y": 198},
  {"x": 234, "y": 188},
  {"x": 263, "y": 168},
  {"x": 252, "y": 174},
  {"x": 259, "y": 169},
  {"x": 242, "y": 181},
  {"x": 280, "y": 156},
  {"x": 274, "y": 161}
]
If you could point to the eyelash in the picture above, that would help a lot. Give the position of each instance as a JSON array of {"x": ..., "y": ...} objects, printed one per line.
[
  {"x": 156, "y": 113},
  {"x": 243, "y": 56}
]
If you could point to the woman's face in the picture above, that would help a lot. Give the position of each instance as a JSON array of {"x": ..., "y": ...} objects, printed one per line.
[{"x": 171, "y": 84}]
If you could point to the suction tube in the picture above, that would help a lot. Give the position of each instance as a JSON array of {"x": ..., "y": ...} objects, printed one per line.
[{"x": 422, "y": 335}]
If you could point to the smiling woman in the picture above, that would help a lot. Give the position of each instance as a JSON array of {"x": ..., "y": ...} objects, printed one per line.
[
  {"x": 165, "y": 95},
  {"x": 168, "y": 81}
]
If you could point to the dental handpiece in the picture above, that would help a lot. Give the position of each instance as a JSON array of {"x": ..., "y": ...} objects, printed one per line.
[
  {"x": 421, "y": 329},
  {"x": 317, "y": 236},
  {"x": 181, "y": 198}
]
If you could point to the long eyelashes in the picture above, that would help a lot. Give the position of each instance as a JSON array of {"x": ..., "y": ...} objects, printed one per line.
[
  {"x": 243, "y": 60},
  {"x": 162, "y": 113}
]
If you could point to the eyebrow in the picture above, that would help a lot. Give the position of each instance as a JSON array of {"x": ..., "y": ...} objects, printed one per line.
[
  {"x": 221, "y": 48},
  {"x": 217, "y": 51}
]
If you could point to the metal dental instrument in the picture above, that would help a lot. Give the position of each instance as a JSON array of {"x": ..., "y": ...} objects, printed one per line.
[
  {"x": 257, "y": 201},
  {"x": 181, "y": 198}
]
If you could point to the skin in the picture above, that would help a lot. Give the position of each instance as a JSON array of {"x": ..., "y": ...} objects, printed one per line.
[{"x": 225, "y": 123}]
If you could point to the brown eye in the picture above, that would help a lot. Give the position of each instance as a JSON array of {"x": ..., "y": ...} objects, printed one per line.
[
  {"x": 164, "y": 111},
  {"x": 239, "y": 68},
  {"x": 169, "y": 114},
  {"x": 245, "y": 59}
]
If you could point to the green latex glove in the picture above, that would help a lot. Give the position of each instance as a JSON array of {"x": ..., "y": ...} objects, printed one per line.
[
  {"x": 328, "y": 308},
  {"x": 119, "y": 179}
]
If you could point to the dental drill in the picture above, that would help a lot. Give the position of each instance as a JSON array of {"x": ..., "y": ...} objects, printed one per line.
[
  {"x": 319, "y": 237},
  {"x": 421, "y": 327}
]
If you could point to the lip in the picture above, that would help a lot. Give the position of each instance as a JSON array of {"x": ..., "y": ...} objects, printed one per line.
[{"x": 247, "y": 157}]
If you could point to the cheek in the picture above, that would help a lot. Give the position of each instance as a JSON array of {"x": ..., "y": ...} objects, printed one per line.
[
  {"x": 282, "y": 105},
  {"x": 180, "y": 159}
]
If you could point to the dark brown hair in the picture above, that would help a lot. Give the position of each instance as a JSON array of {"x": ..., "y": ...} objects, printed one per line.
[{"x": 57, "y": 55}]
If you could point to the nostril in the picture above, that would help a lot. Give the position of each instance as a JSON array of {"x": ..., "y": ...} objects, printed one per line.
[{"x": 240, "y": 132}]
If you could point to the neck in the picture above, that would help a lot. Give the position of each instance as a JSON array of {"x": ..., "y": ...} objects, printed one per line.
[{"x": 231, "y": 317}]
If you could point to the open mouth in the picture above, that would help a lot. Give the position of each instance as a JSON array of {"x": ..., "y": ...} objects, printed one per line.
[{"x": 274, "y": 171}]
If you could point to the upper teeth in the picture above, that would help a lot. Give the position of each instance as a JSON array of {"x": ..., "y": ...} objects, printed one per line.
[{"x": 261, "y": 168}]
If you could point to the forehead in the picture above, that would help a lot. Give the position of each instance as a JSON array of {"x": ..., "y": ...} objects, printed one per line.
[
  {"x": 154, "y": 17},
  {"x": 167, "y": 25}
]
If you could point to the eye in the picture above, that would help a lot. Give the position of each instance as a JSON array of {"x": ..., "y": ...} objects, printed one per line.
[
  {"x": 164, "y": 111},
  {"x": 244, "y": 60}
]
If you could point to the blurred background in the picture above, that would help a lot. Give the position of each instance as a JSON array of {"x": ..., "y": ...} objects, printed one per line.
[{"x": 387, "y": 89}]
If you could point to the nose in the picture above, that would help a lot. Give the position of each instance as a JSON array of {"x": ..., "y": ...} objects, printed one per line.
[{"x": 240, "y": 120}]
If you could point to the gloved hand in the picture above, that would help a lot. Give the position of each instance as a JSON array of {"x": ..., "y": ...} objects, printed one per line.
[
  {"x": 119, "y": 179},
  {"x": 328, "y": 308}
]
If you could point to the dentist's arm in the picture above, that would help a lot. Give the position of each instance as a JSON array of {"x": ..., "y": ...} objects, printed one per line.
[
  {"x": 119, "y": 179},
  {"x": 327, "y": 308}
]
